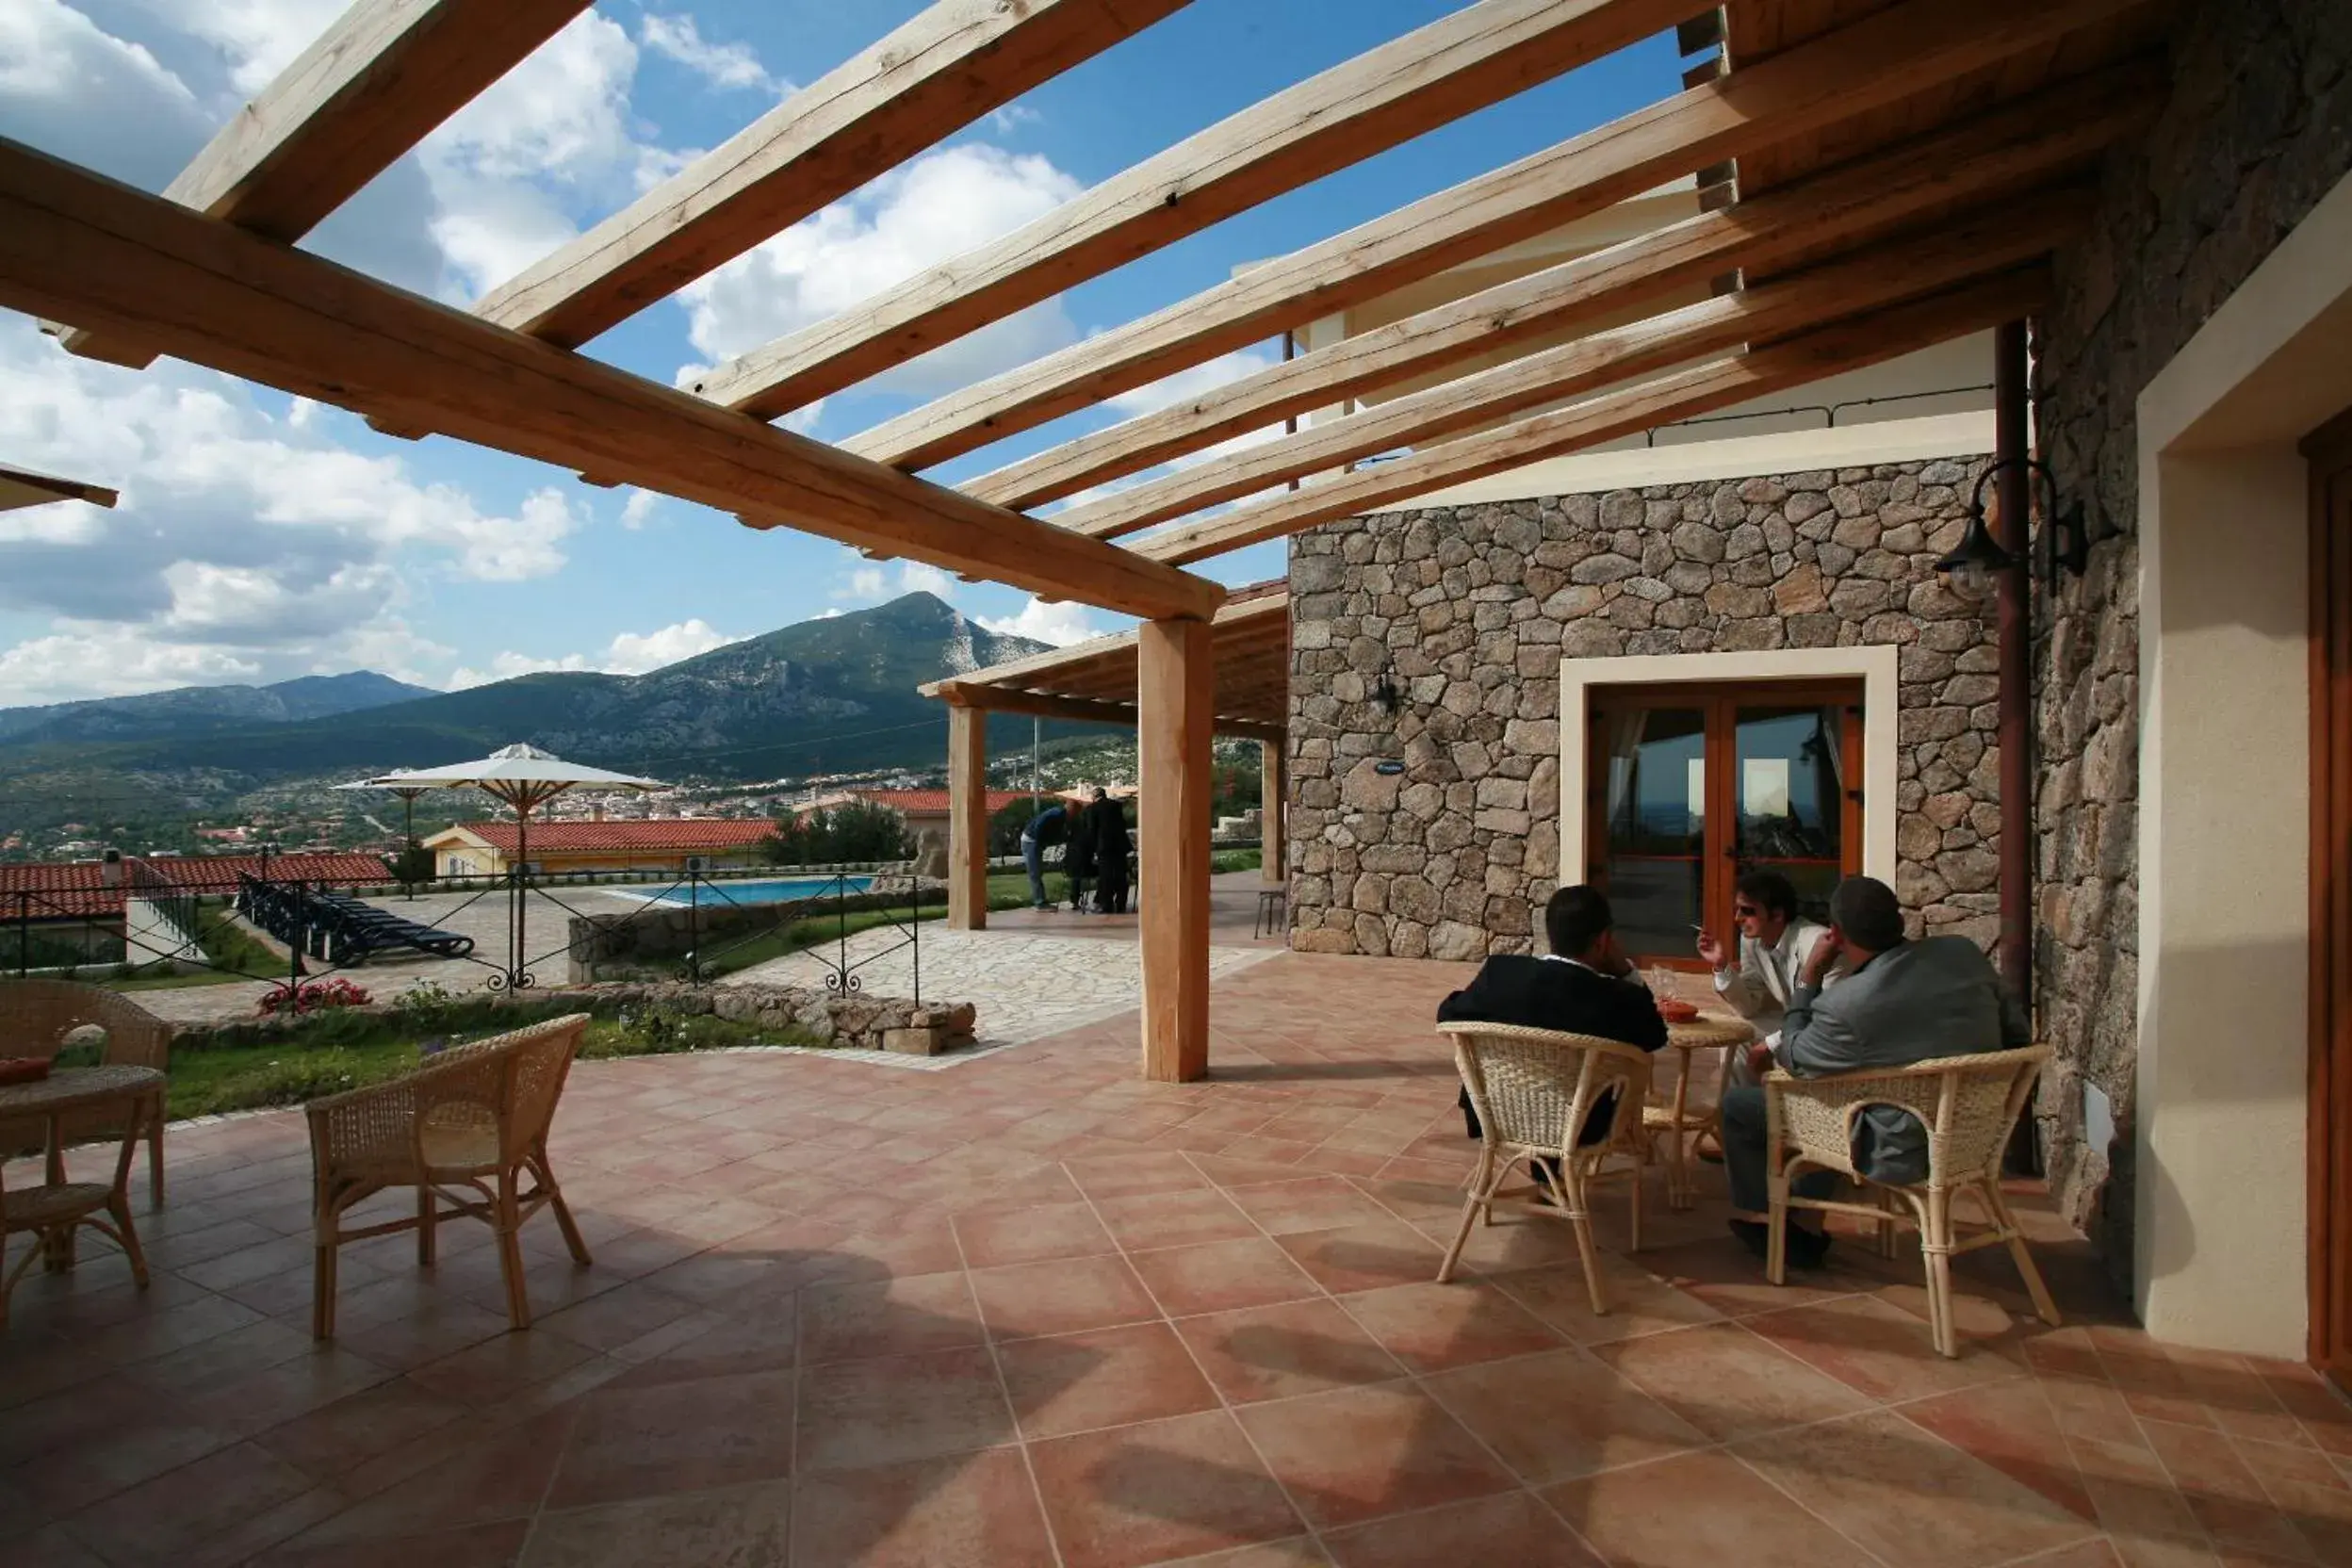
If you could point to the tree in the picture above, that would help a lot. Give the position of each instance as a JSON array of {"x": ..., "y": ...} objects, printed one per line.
[
  {"x": 1005, "y": 825},
  {"x": 858, "y": 830}
]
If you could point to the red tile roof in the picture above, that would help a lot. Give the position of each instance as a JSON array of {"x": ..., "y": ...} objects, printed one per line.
[
  {"x": 59, "y": 890},
  {"x": 686, "y": 835},
  {"x": 933, "y": 803}
]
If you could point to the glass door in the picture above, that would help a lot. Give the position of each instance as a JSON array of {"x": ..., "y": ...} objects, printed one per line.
[{"x": 1690, "y": 787}]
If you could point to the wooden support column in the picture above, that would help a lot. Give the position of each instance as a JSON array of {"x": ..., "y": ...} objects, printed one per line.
[
  {"x": 1176, "y": 690},
  {"x": 1274, "y": 855},
  {"x": 966, "y": 818}
]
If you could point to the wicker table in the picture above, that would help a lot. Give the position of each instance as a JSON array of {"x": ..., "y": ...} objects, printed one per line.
[
  {"x": 74, "y": 1088},
  {"x": 1676, "y": 1122}
]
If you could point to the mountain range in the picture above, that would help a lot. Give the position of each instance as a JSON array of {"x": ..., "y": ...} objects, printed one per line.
[{"x": 832, "y": 694}]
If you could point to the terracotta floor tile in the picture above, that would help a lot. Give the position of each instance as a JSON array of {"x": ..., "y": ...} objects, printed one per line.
[
  {"x": 1432, "y": 1327},
  {"x": 1364, "y": 1257},
  {"x": 2011, "y": 1426},
  {"x": 1222, "y": 1275},
  {"x": 615, "y": 1317},
  {"x": 993, "y": 1238},
  {"x": 1324, "y": 1203},
  {"x": 1229, "y": 1170},
  {"x": 2227, "y": 1500},
  {"x": 973, "y": 1509},
  {"x": 1511, "y": 1528},
  {"x": 1900, "y": 1492},
  {"x": 2133, "y": 1492},
  {"x": 1879, "y": 1350},
  {"x": 474, "y": 1546},
  {"x": 1178, "y": 1219},
  {"x": 857, "y": 1414},
  {"x": 163, "y": 1520},
  {"x": 1361, "y": 1453},
  {"x": 1727, "y": 1383},
  {"x": 331, "y": 1439},
  {"x": 1639, "y": 1301},
  {"x": 2092, "y": 1410},
  {"x": 1060, "y": 1297},
  {"x": 1561, "y": 1414},
  {"x": 1102, "y": 1377},
  {"x": 681, "y": 1437},
  {"x": 2098, "y": 1552},
  {"x": 1699, "y": 1510},
  {"x": 738, "y": 1526},
  {"x": 1158, "y": 1491},
  {"x": 891, "y": 1318},
  {"x": 1127, "y": 1175},
  {"x": 475, "y": 1480},
  {"x": 1273, "y": 1352}
]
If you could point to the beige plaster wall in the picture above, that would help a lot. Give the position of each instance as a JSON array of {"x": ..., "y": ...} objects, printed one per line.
[{"x": 2219, "y": 1211}]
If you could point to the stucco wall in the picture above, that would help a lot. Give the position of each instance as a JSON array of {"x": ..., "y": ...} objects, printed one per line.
[
  {"x": 1471, "y": 610},
  {"x": 2258, "y": 126}
]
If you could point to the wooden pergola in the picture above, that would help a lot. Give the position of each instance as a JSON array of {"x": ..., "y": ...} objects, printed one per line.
[
  {"x": 1881, "y": 175},
  {"x": 1098, "y": 680}
]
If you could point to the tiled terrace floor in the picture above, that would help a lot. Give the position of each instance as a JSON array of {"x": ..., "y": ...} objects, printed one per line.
[{"x": 1034, "y": 1311}]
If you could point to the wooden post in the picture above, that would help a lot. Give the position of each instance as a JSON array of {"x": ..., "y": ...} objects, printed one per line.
[
  {"x": 1274, "y": 854},
  {"x": 966, "y": 818},
  {"x": 1175, "y": 680}
]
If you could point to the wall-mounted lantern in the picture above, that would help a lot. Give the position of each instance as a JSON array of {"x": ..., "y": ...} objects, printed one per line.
[{"x": 1975, "y": 565}]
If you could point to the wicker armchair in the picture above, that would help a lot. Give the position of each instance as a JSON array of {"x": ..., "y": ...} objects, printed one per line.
[
  {"x": 1532, "y": 1089},
  {"x": 51, "y": 1212},
  {"x": 1968, "y": 1104},
  {"x": 35, "y": 1018},
  {"x": 463, "y": 1131}
]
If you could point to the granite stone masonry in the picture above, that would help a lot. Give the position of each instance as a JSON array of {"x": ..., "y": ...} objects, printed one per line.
[
  {"x": 2257, "y": 128},
  {"x": 1470, "y": 611}
]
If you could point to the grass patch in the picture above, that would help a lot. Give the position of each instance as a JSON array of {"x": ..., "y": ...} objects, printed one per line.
[
  {"x": 330, "y": 1052},
  {"x": 231, "y": 954}
]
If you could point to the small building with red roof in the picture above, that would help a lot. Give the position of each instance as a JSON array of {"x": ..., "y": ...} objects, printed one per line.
[{"x": 488, "y": 848}]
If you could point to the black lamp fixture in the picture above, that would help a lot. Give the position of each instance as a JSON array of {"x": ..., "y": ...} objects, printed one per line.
[{"x": 1975, "y": 565}]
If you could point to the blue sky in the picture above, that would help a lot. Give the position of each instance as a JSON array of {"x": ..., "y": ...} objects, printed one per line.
[{"x": 260, "y": 538}]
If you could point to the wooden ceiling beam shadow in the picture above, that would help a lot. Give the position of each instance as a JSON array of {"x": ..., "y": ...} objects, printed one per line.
[
  {"x": 1462, "y": 62},
  {"x": 939, "y": 72},
  {"x": 2032, "y": 139},
  {"x": 80, "y": 247},
  {"x": 2017, "y": 230},
  {"x": 1912, "y": 46},
  {"x": 382, "y": 77},
  {"x": 1678, "y": 395}
]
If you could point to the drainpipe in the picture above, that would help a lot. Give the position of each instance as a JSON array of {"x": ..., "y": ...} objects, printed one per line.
[{"x": 2013, "y": 617}]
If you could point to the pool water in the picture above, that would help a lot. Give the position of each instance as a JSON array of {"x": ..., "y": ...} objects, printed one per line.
[{"x": 788, "y": 889}]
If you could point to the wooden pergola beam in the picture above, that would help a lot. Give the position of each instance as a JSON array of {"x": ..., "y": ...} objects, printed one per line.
[
  {"x": 1679, "y": 395},
  {"x": 2016, "y": 231},
  {"x": 2020, "y": 143},
  {"x": 24, "y": 487},
  {"x": 79, "y": 247},
  {"x": 1878, "y": 60},
  {"x": 373, "y": 86},
  {"x": 933, "y": 75},
  {"x": 1462, "y": 62},
  {"x": 1051, "y": 705}
]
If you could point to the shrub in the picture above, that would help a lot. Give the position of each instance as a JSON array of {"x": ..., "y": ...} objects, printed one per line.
[{"x": 318, "y": 996}]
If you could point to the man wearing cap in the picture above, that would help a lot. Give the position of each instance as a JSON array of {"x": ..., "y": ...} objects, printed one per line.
[{"x": 1901, "y": 1002}]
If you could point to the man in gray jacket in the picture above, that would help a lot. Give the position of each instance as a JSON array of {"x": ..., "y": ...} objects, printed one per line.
[{"x": 1901, "y": 1003}]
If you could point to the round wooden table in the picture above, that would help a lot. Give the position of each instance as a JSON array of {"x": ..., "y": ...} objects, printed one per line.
[
  {"x": 1676, "y": 1122},
  {"x": 75, "y": 1088}
]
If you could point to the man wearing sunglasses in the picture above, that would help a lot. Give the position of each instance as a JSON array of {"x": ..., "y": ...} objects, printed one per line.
[{"x": 1774, "y": 942}]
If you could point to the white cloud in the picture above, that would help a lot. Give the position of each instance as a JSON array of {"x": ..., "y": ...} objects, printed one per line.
[
  {"x": 70, "y": 87},
  {"x": 1011, "y": 116},
  {"x": 943, "y": 204},
  {"x": 865, "y": 582},
  {"x": 630, "y": 653},
  {"x": 638, "y": 510},
  {"x": 921, "y": 577},
  {"x": 723, "y": 65},
  {"x": 1191, "y": 382},
  {"x": 116, "y": 661},
  {"x": 259, "y": 38},
  {"x": 1058, "y": 623}
]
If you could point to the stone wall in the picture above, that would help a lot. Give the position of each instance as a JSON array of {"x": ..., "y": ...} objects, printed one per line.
[
  {"x": 2257, "y": 128},
  {"x": 655, "y": 938},
  {"x": 1473, "y": 608}
]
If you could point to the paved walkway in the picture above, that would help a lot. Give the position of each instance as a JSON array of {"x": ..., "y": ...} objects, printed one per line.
[{"x": 1038, "y": 1313}]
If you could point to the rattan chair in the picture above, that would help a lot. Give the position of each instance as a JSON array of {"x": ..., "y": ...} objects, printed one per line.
[
  {"x": 49, "y": 1214},
  {"x": 463, "y": 1132},
  {"x": 35, "y": 1018},
  {"x": 1968, "y": 1104},
  {"x": 1532, "y": 1089}
]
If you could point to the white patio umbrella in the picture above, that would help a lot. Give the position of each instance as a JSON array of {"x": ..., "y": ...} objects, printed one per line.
[
  {"x": 526, "y": 778},
  {"x": 396, "y": 782}
]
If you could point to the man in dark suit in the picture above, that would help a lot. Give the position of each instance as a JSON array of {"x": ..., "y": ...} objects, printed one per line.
[{"x": 1584, "y": 985}]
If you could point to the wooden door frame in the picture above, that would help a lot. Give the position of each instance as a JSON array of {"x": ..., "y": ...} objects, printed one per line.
[
  {"x": 1718, "y": 702},
  {"x": 2329, "y": 1134}
]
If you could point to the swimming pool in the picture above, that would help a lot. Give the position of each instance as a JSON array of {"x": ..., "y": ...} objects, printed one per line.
[{"x": 786, "y": 890}]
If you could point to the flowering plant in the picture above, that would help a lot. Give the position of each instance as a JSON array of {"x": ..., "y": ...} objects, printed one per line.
[{"x": 314, "y": 997}]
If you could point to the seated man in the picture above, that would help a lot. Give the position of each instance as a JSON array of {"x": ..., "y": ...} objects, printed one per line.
[
  {"x": 1774, "y": 942},
  {"x": 1902, "y": 1001},
  {"x": 1585, "y": 986}
]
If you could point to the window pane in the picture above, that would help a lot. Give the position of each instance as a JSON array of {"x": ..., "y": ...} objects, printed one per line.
[
  {"x": 1655, "y": 848},
  {"x": 1790, "y": 798}
]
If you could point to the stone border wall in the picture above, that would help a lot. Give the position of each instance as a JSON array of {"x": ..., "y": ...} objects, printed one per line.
[
  {"x": 1471, "y": 610},
  {"x": 2257, "y": 128},
  {"x": 657, "y": 935}
]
